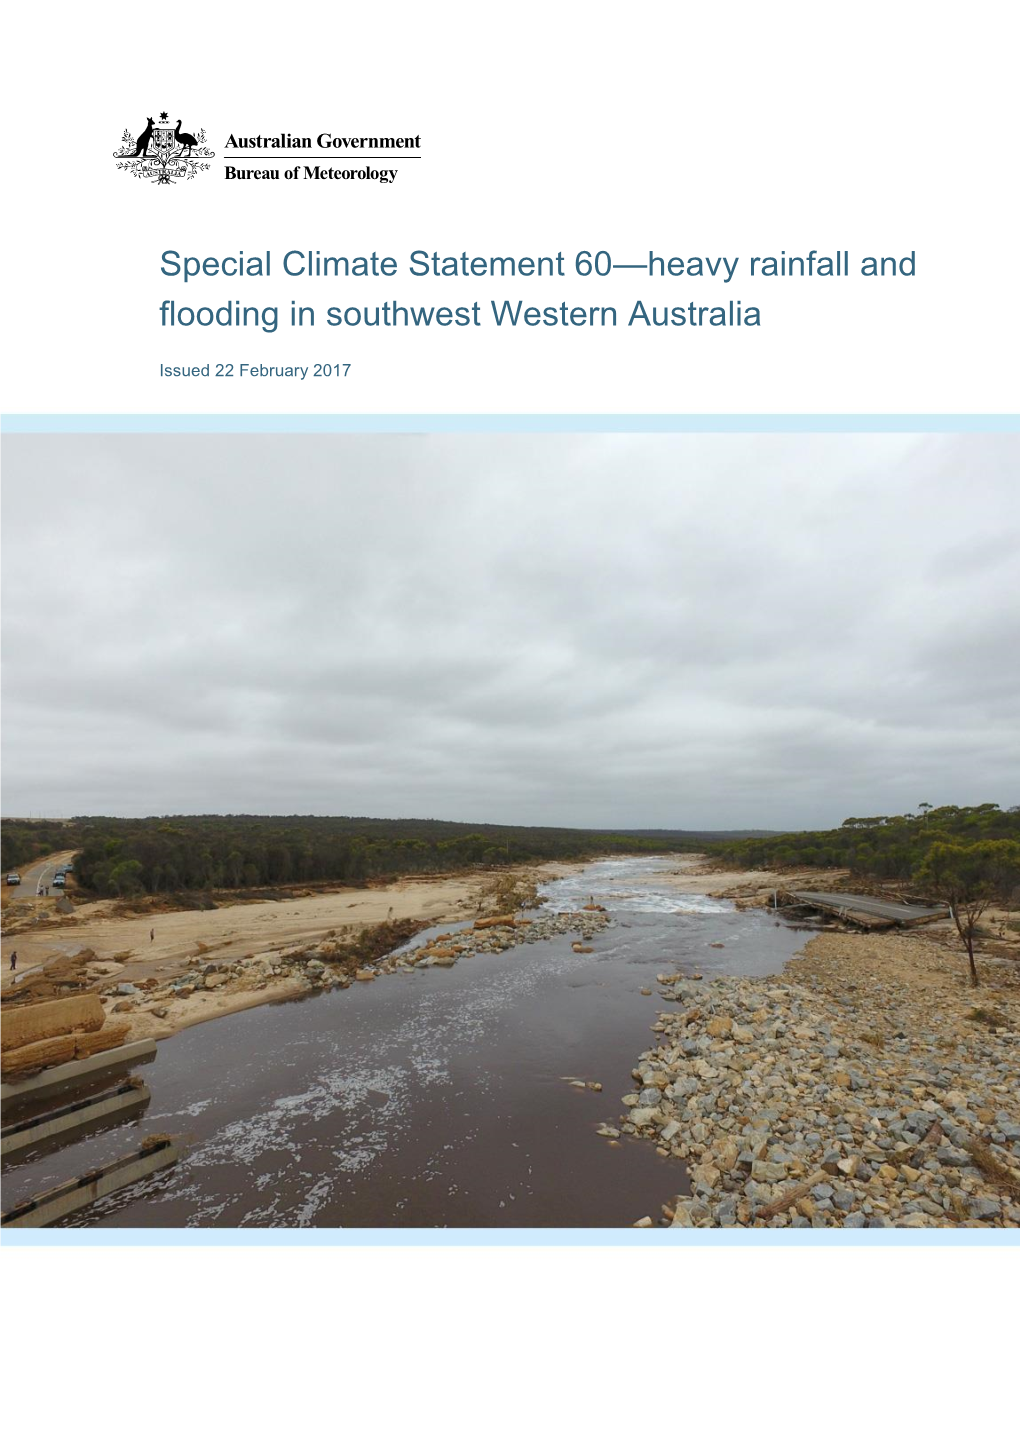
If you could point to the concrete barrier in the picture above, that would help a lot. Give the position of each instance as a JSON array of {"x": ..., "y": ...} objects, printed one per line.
[
  {"x": 57, "y": 1079},
  {"x": 59, "y": 1125},
  {"x": 45, "y": 1208}
]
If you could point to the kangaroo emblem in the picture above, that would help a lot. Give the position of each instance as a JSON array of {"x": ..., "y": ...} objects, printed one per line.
[{"x": 142, "y": 148}]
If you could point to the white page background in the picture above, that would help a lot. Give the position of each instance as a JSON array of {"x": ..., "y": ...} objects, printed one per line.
[
  {"x": 689, "y": 129},
  {"x": 685, "y": 129}
]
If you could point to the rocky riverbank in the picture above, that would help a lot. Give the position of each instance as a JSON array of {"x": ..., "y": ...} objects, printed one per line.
[
  {"x": 867, "y": 1087},
  {"x": 210, "y": 988}
]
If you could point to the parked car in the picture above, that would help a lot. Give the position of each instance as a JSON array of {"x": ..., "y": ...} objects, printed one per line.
[
  {"x": 58, "y": 880},
  {"x": 13, "y": 879}
]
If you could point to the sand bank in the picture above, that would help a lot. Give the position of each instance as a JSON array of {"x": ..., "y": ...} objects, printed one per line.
[
  {"x": 702, "y": 876},
  {"x": 149, "y": 951}
]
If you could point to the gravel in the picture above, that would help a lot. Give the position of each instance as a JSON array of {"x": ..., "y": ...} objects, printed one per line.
[{"x": 791, "y": 1108}]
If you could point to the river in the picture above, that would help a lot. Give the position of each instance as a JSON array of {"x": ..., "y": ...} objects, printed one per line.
[{"x": 431, "y": 1098}]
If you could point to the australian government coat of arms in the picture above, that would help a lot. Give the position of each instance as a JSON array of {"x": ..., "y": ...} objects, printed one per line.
[{"x": 163, "y": 153}]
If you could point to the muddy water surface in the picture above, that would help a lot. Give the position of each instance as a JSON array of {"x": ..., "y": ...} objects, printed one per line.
[{"x": 431, "y": 1098}]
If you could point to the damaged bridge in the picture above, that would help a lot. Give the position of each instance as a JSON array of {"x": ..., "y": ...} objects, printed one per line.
[{"x": 873, "y": 912}]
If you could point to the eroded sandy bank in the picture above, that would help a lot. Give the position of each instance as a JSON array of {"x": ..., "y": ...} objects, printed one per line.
[{"x": 143, "y": 954}]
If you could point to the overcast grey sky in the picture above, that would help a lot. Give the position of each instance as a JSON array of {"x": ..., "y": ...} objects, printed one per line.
[{"x": 691, "y": 631}]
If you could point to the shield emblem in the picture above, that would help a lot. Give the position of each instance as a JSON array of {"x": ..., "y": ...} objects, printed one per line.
[{"x": 162, "y": 139}]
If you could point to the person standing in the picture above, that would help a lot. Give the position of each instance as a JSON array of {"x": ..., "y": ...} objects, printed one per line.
[
  {"x": 152, "y": 933},
  {"x": 14, "y": 961}
]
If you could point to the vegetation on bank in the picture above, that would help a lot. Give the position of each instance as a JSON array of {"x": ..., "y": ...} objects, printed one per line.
[
  {"x": 23, "y": 840},
  {"x": 891, "y": 848},
  {"x": 173, "y": 854},
  {"x": 368, "y": 945},
  {"x": 970, "y": 878},
  {"x": 966, "y": 856}
]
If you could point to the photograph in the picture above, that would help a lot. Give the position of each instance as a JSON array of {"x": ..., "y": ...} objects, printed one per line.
[{"x": 511, "y": 830}]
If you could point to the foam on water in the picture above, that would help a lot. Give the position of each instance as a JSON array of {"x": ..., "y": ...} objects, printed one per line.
[
  {"x": 628, "y": 884},
  {"x": 338, "y": 1095},
  {"x": 359, "y": 1107}
]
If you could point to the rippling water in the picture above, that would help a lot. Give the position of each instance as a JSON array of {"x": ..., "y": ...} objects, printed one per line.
[
  {"x": 634, "y": 885},
  {"x": 431, "y": 1098}
]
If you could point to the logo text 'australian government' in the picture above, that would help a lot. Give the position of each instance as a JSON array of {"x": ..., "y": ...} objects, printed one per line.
[
  {"x": 360, "y": 157},
  {"x": 163, "y": 153}
]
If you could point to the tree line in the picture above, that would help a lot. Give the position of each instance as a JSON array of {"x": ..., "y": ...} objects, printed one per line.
[
  {"x": 965, "y": 856},
  {"x": 890, "y": 848},
  {"x": 125, "y": 857},
  {"x": 21, "y": 841}
]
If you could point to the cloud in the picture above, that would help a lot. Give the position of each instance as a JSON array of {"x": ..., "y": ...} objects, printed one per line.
[{"x": 594, "y": 630}]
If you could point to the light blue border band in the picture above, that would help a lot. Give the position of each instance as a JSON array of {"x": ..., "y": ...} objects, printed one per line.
[
  {"x": 511, "y": 1236},
  {"x": 25, "y": 424}
]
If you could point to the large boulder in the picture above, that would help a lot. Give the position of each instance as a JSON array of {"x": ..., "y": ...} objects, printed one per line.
[
  {"x": 88, "y": 1043},
  {"x": 22, "y": 1025},
  {"x": 23, "y": 1061}
]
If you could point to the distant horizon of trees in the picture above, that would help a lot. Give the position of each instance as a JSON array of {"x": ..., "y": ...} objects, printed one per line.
[
  {"x": 169, "y": 854},
  {"x": 125, "y": 856},
  {"x": 889, "y": 848}
]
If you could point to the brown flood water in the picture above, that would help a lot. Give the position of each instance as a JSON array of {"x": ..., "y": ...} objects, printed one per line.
[{"x": 434, "y": 1098}]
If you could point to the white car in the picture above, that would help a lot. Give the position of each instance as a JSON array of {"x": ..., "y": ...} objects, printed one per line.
[{"x": 13, "y": 879}]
